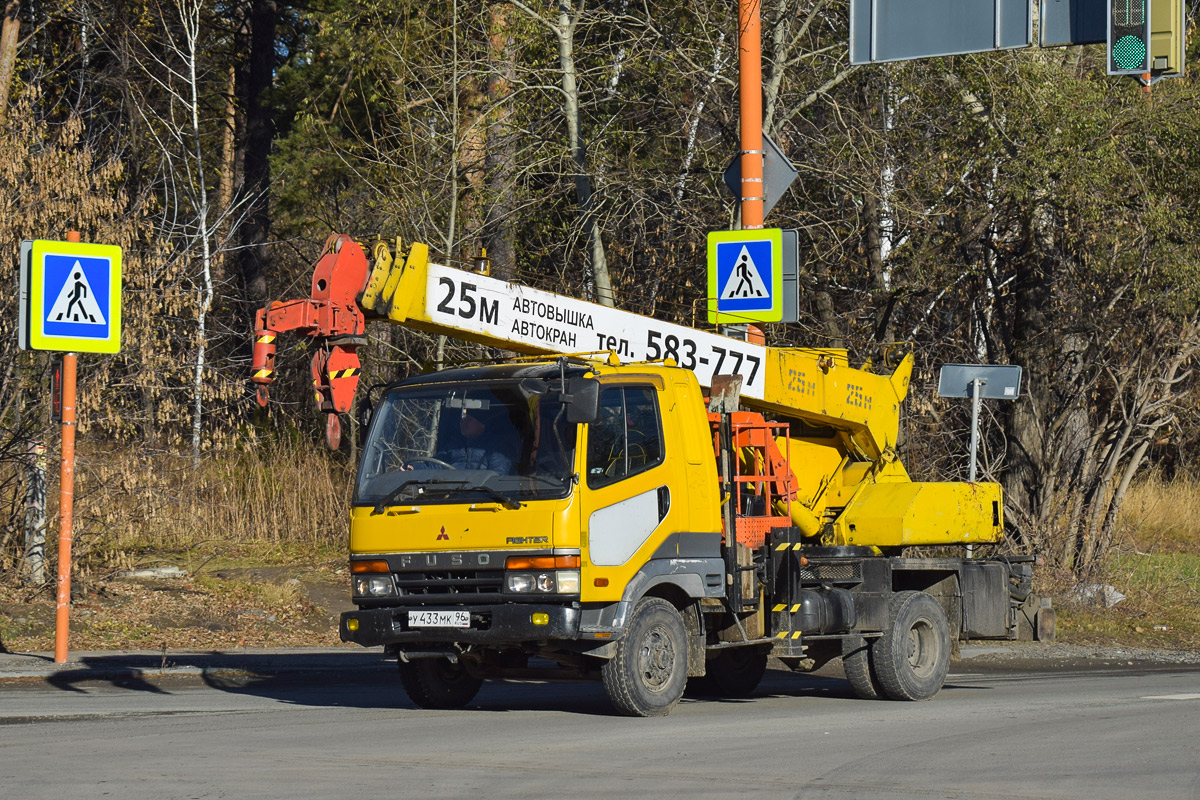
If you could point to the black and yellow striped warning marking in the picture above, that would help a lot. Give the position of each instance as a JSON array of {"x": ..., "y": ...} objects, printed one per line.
[
  {"x": 264, "y": 373},
  {"x": 783, "y": 607},
  {"x": 266, "y": 338},
  {"x": 343, "y": 373}
]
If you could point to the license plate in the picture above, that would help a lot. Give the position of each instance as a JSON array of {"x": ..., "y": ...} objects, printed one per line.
[{"x": 439, "y": 619}]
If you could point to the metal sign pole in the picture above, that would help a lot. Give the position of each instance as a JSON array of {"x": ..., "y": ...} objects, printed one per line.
[
  {"x": 66, "y": 502},
  {"x": 972, "y": 380},
  {"x": 976, "y": 385}
]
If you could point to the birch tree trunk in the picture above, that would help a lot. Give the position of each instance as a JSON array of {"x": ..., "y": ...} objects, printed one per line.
[{"x": 189, "y": 14}]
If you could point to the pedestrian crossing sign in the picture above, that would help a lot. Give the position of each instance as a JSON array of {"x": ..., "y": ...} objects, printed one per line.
[
  {"x": 745, "y": 276},
  {"x": 70, "y": 297}
]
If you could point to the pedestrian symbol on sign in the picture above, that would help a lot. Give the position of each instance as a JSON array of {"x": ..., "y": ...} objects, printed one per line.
[
  {"x": 745, "y": 281},
  {"x": 76, "y": 301}
]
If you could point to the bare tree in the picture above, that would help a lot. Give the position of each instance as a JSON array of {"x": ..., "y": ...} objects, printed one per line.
[
  {"x": 563, "y": 27},
  {"x": 173, "y": 67}
]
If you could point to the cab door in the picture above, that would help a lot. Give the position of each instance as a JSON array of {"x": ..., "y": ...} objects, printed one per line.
[{"x": 626, "y": 489}]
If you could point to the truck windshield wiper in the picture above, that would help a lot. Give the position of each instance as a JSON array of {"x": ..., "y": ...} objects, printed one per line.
[
  {"x": 503, "y": 499},
  {"x": 394, "y": 494}
]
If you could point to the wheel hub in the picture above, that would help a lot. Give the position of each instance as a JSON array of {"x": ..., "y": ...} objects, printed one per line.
[
  {"x": 920, "y": 643},
  {"x": 656, "y": 659}
]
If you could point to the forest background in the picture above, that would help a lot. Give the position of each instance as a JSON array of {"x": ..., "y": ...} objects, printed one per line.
[{"x": 1013, "y": 207}]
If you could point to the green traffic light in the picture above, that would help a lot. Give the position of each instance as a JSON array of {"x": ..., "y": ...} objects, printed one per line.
[{"x": 1129, "y": 53}]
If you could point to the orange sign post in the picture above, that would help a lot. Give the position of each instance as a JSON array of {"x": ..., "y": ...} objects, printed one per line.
[
  {"x": 66, "y": 502},
  {"x": 70, "y": 302},
  {"x": 750, "y": 121}
]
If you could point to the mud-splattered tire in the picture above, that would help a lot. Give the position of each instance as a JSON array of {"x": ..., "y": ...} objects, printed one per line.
[
  {"x": 438, "y": 683},
  {"x": 912, "y": 658},
  {"x": 647, "y": 676},
  {"x": 856, "y": 661}
]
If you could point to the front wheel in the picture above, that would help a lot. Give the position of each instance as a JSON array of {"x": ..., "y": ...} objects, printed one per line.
[
  {"x": 912, "y": 658},
  {"x": 438, "y": 683},
  {"x": 647, "y": 676}
]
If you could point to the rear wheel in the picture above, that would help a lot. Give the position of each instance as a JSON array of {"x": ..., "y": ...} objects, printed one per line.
[
  {"x": 647, "y": 675},
  {"x": 438, "y": 683},
  {"x": 856, "y": 661},
  {"x": 912, "y": 658}
]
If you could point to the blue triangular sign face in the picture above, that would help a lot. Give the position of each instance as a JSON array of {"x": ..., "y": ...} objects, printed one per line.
[
  {"x": 76, "y": 301},
  {"x": 745, "y": 281}
]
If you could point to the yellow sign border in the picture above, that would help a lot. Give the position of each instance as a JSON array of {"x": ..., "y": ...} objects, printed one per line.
[
  {"x": 38, "y": 339},
  {"x": 775, "y": 312}
]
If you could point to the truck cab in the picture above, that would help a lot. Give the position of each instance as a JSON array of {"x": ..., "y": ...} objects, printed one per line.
[{"x": 505, "y": 512}]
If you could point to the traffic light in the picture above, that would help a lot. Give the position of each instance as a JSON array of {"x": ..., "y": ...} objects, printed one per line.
[
  {"x": 1128, "y": 37},
  {"x": 1145, "y": 37}
]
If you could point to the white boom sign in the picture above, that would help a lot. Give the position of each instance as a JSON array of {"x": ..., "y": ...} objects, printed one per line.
[{"x": 551, "y": 323}]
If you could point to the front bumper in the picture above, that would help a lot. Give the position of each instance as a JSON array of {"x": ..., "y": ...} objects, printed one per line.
[{"x": 490, "y": 625}]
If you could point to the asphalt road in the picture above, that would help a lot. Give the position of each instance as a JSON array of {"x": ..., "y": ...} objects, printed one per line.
[{"x": 1117, "y": 733}]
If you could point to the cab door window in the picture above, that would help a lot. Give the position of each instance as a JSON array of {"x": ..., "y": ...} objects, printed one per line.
[{"x": 626, "y": 438}]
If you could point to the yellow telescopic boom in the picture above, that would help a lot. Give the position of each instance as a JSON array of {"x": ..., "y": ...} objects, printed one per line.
[{"x": 852, "y": 488}]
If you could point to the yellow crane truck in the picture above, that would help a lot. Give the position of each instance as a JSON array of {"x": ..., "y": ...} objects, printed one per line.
[{"x": 636, "y": 501}]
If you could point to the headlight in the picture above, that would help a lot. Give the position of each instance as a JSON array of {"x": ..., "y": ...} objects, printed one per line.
[
  {"x": 374, "y": 586},
  {"x": 520, "y": 582},
  {"x": 568, "y": 581},
  {"x": 550, "y": 582}
]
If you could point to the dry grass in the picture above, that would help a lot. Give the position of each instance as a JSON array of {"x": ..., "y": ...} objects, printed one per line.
[
  {"x": 260, "y": 534},
  {"x": 133, "y": 508},
  {"x": 1157, "y": 568},
  {"x": 269, "y": 504},
  {"x": 1163, "y": 516}
]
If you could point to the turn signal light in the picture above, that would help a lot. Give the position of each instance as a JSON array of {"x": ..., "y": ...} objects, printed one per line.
[
  {"x": 542, "y": 562},
  {"x": 369, "y": 566}
]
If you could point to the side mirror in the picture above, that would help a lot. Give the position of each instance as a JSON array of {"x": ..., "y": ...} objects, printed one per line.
[
  {"x": 365, "y": 410},
  {"x": 582, "y": 400}
]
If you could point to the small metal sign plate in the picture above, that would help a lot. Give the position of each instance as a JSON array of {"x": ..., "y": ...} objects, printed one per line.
[{"x": 997, "y": 381}]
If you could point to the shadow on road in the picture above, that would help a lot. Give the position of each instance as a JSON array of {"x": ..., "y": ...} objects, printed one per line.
[
  {"x": 380, "y": 689},
  {"x": 364, "y": 680}
]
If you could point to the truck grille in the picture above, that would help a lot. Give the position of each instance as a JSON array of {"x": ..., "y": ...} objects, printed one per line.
[{"x": 438, "y": 586}]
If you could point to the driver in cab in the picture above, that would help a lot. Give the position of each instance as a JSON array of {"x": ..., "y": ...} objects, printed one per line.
[{"x": 475, "y": 449}]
